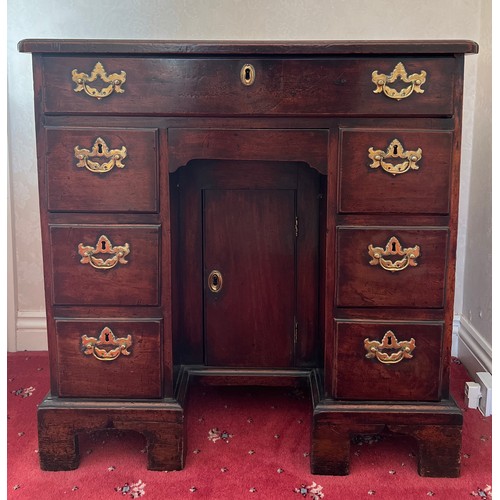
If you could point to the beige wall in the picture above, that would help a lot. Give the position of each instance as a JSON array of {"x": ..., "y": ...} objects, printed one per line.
[
  {"x": 238, "y": 20},
  {"x": 476, "y": 323}
]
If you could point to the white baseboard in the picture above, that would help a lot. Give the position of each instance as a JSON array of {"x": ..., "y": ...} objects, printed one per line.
[
  {"x": 454, "y": 335},
  {"x": 470, "y": 347},
  {"x": 31, "y": 331}
]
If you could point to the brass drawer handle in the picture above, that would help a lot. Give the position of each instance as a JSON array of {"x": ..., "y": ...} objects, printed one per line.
[
  {"x": 416, "y": 80},
  {"x": 97, "y": 346},
  {"x": 103, "y": 246},
  {"x": 100, "y": 150},
  {"x": 215, "y": 281},
  {"x": 395, "y": 150},
  {"x": 392, "y": 248},
  {"x": 247, "y": 74},
  {"x": 115, "y": 81},
  {"x": 402, "y": 350}
]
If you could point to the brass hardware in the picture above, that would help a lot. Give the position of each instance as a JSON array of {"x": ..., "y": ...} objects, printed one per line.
[
  {"x": 416, "y": 80},
  {"x": 393, "y": 247},
  {"x": 247, "y": 74},
  {"x": 389, "y": 341},
  {"x": 96, "y": 347},
  {"x": 115, "y": 80},
  {"x": 103, "y": 245},
  {"x": 99, "y": 150},
  {"x": 215, "y": 281},
  {"x": 395, "y": 150}
]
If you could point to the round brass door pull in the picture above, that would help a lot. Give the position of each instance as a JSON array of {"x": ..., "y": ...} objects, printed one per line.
[{"x": 215, "y": 281}]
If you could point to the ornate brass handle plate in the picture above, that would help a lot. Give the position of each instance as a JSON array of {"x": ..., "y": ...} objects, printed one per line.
[
  {"x": 395, "y": 150},
  {"x": 103, "y": 246},
  {"x": 416, "y": 80},
  {"x": 100, "y": 150},
  {"x": 392, "y": 248},
  {"x": 97, "y": 346},
  {"x": 401, "y": 350},
  {"x": 114, "y": 81}
]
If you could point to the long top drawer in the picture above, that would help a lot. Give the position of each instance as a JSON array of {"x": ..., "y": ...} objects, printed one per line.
[{"x": 246, "y": 86}]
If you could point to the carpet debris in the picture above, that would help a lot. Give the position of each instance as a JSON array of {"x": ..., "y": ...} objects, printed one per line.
[{"x": 313, "y": 491}]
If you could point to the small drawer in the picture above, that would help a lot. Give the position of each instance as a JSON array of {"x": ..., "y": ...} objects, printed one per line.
[
  {"x": 247, "y": 86},
  {"x": 109, "y": 359},
  {"x": 391, "y": 267},
  {"x": 105, "y": 264},
  {"x": 93, "y": 170},
  {"x": 395, "y": 171},
  {"x": 388, "y": 361}
]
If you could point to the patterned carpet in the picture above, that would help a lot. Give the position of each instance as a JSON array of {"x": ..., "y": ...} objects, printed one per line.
[{"x": 243, "y": 443}]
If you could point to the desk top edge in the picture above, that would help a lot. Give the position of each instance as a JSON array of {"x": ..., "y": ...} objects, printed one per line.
[{"x": 247, "y": 48}]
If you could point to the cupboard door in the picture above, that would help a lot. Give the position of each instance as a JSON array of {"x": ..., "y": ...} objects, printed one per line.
[{"x": 249, "y": 239}]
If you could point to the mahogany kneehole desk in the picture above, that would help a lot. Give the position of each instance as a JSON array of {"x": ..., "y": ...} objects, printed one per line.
[{"x": 249, "y": 213}]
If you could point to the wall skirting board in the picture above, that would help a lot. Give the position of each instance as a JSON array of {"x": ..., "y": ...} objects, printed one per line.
[
  {"x": 468, "y": 345},
  {"x": 31, "y": 331}
]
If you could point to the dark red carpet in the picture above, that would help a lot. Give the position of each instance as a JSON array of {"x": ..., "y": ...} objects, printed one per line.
[{"x": 242, "y": 444}]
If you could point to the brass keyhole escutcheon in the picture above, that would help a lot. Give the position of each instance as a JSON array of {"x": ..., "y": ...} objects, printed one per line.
[
  {"x": 215, "y": 281},
  {"x": 247, "y": 74}
]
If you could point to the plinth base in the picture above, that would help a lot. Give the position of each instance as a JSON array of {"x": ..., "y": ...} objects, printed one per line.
[
  {"x": 437, "y": 428},
  {"x": 59, "y": 422}
]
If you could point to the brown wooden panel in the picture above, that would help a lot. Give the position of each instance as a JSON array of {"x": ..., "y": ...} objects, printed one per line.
[
  {"x": 309, "y": 146},
  {"x": 357, "y": 377},
  {"x": 249, "y": 237},
  {"x": 133, "y": 283},
  {"x": 137, "y": 375},
  {"x": 212, "y": 86},
  {"x": 363, "y": 285},
  {"x": 309, "y": 345},
  {"x": 76, "y": 189},
  {"x": 364, "y": 189}
]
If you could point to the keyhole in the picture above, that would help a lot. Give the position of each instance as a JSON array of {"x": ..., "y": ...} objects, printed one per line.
[
  {"x": 247, "y": 74},
  {"x": 99, "y": 148},
  {"x": 103, "y": 245},
  {"x": 215, "y": 281},
  {"x": 395, "y": 150},
  {"x": 393, "y": 246},
  {"x": 106, "y": 335}
]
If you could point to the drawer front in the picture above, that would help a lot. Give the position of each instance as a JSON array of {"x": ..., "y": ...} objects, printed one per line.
[
  {"x": 217, "y": 86},
  {"x": 109, "y": 359},
  {"x": 395, "y": 171},
  {"x": 391, "y": 267},
  {"x": 105, "y": 264},
  {"x": 93, "y": 170},
  {"x": 388, "y": 361}
]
